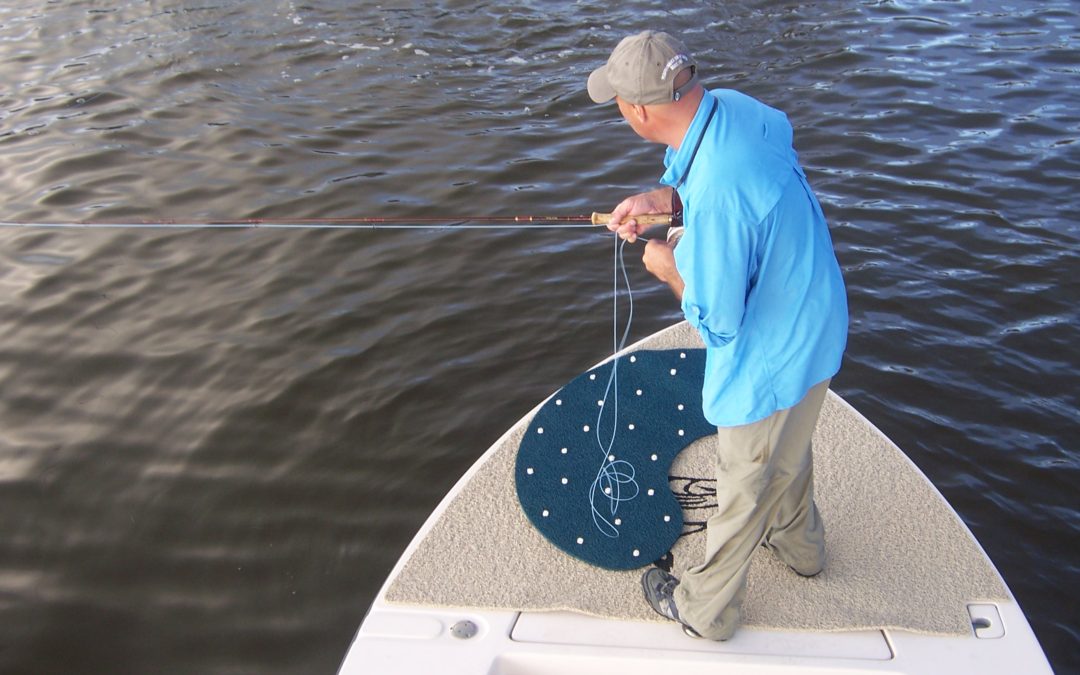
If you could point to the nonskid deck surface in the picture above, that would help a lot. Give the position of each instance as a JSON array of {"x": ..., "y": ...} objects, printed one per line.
[{"x": 898, "y": 557}]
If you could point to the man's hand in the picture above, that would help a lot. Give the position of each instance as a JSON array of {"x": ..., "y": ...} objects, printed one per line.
[
  {"x": 647, "y": 203},
  {"x": 659, "y": 260}
]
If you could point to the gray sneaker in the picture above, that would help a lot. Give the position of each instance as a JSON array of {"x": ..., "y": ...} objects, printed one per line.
[{"x": 659, "y": 587}]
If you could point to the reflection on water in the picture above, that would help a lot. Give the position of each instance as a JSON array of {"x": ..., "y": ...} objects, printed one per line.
[{"x": 215, "y": 444}]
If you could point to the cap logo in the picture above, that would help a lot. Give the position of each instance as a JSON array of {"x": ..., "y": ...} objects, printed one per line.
[{"x": 675, "y": 62}]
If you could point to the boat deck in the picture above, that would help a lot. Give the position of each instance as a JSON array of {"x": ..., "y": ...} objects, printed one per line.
[{"x": 898, "y": 556}]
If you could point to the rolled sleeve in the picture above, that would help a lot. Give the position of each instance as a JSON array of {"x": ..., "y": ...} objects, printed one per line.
[
  {"x": 695, "y": 316},
  {"x": 713, "y": 258}
]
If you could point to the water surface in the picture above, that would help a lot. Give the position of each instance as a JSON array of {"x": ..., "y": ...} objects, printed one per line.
[{"x": 215, "y": 444}]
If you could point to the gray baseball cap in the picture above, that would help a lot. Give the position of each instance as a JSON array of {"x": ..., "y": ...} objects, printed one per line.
[{"x": 642, "y": 70}]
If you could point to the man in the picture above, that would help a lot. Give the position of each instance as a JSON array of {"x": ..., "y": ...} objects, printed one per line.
[{"x": 756, "y": 275}]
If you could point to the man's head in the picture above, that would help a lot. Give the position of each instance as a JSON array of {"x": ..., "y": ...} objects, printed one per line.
[
  {"x": 653, "y": 78},
  {"x": 642, "y": 70}
]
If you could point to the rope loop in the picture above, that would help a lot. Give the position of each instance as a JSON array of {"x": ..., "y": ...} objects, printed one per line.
[{"x": 614, "y": 483}]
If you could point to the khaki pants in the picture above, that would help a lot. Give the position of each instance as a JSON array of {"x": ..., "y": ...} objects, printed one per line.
[{"x": 765, "y": 495}]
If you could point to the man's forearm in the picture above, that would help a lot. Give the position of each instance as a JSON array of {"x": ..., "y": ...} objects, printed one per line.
[
  {"x": 659, "y": 259},
  {"x": 677, "y": 286}
]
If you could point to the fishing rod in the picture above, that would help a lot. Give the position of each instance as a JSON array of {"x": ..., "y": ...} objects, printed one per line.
[{"x": 366, "y": 223}]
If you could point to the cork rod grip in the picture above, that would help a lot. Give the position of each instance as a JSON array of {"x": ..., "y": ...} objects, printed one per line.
[{"x": 645, "y": 220}]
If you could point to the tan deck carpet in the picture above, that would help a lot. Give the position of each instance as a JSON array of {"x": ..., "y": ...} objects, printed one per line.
[{"x": 897, "y": 555}]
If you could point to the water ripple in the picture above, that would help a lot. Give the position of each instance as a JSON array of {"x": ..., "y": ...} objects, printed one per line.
[{"x": 223, "y": 440}]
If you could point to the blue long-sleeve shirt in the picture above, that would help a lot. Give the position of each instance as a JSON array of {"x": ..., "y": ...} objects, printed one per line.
[{"x": 762, "y": 284}]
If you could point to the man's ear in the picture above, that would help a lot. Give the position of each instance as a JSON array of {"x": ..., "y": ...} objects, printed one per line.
[{"x": 640, "y": 112}]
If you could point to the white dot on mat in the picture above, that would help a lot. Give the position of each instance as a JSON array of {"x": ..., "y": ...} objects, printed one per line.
[
  {"x": 667, "y": 519},
  {"x": 630, "y": 427},
  {"x": 592, "y": 377},
  {"x": 563, "y": 451},
  {"x": 558, "y": 401},
  {"x": 600, "y": 403},
  {"x": 565, "y": 481},
  {"x": 580, "y": 540},
  {"x": 636, "y": 553},
  {"x": 681, "y": 406},
  {"x": 681, "y": 432},
  {"x": 653, "y": 458},
  {"x": 529, "y": 471},
  {"x": 682, "y": 355},
  {"x": 611, "y": 458},
  {"x": 673, "y": 371},
  {"x": 607, "y": 490},
  {"x": 585, "y": 428},
  {"x": 651, "y": 492},
  {"x": 639, "y": 392},
  {"x": 633, "y": 359},
  {"x": 546, "y": 513},
  {"x": 540, "y": 430},
  {"x": 618, "y": 521}
]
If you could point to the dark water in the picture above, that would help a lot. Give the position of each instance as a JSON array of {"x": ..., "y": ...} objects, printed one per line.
[{"x": 215, "y": 444}]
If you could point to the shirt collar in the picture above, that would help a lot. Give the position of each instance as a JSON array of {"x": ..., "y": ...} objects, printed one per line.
[{"x": 678, "y": 161}]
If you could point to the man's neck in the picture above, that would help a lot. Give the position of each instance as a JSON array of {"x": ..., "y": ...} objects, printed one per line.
[{"x": 679, "y": 116}]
